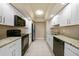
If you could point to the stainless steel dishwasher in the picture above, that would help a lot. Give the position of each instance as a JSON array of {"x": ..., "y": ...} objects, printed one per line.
[{"x": 58, "y": 47}]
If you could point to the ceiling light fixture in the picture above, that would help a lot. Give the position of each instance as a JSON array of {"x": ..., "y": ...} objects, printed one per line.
[
  {"x": 39, "y": 12},
  {"x": 63, "y": 3},
  {"x": 51, "y": 16}
]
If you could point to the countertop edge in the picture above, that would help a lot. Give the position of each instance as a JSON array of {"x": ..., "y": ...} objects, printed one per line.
[{"x": 10, "y": 41}]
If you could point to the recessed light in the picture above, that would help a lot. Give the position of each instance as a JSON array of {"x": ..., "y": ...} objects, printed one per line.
[
  {"x": 63, "y": 3},
  {"x": 39, "y": 12},
  {"x": 51, "y": 16}
]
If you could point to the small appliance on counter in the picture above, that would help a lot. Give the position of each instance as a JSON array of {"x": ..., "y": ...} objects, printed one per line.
[{"x": 13, "y": 33}]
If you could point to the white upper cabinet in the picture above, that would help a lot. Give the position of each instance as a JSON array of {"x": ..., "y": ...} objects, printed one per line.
[
  {"x": 0, "y": 9},
  {"x": 69, "y": 15},
  {"x": 1, "y": 14},
  {"x": 75, "y": 14},
  {"x": 65, "y": 16},
  {"x": 62, "y": 19},
  {"x": 55, "y": 20},
  {"x": 8, "y": 14}
]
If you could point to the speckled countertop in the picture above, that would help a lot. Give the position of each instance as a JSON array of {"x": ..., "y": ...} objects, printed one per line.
[
  {"x": 71, "y": 41},
  {"x": 8, "y": 40}
]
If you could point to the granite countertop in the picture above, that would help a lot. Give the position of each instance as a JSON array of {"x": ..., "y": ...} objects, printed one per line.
[
  {"x": 8, "y": 40},
  {"x": 71, "y": 41}
]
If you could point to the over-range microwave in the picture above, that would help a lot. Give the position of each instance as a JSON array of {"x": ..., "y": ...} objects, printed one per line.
[{"x": 18, "y": 21}]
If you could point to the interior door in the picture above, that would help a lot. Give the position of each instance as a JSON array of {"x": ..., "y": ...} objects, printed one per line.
[{"x": 40, "y": 29}]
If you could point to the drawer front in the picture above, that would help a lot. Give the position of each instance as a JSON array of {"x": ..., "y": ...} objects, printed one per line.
[
  {"x": 72, "y": 49},
  {"x": 67, "y": 52}
]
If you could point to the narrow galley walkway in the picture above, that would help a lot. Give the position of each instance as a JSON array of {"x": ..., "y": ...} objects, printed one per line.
[{"x": 38, "y": 48}]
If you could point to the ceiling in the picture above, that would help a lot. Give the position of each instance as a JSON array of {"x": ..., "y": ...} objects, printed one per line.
[{"x": 29, "y": 9}]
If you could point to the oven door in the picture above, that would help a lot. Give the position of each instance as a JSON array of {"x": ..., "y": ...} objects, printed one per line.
[{"x": 25, "y": 43}]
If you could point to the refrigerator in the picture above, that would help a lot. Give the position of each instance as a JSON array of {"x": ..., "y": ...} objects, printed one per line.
[{"x": 33, "y": 32}]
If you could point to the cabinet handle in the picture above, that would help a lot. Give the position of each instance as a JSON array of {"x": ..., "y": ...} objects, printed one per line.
[
  {"x": 13, "y": 52},
  {"x": 0, "y": 19},
  {"x": 3, "y": 19},
  {"x": 69, "y": 21}
]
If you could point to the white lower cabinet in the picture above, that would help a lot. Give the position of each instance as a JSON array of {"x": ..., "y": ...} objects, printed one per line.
[
  {"x": 4, "y": 51},
  {"x": 70, "y": 50},
  {"x": 18, "y": 47},
  {"x": 8, "y": 14},
  {"x": 12, "y": 49}
]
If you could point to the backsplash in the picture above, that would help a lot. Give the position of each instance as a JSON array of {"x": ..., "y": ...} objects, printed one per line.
[
  {"x": 70, "y": 31},
  {"x": 4, "y": 28},
  {"x": 24, "y": 30}
]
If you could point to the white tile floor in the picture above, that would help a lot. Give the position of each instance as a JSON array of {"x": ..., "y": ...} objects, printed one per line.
[{"x": 38, "y": 48}]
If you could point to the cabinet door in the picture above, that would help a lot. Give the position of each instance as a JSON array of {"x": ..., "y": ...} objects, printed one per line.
[
  {"x": 65, "y": 16},
  {"x": 0, "y": 9},
  {"x": 51, "y": 42},
  {"x": 68, "y": 53},
  {"x": 15, "y": 48},
  {"x": 75, "y": 14},
  {"x": 55, "y": 20},
  {"x": 8, "y": 14},
  {"x": 18, "y": 47},
  {"x": 1, "y": 14},
  {"x": 70, "y": 50},
  {"x": 12, "y": 49},
  {"x": 4, "y": 51},
  {"x": 62, "y": 19}
]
